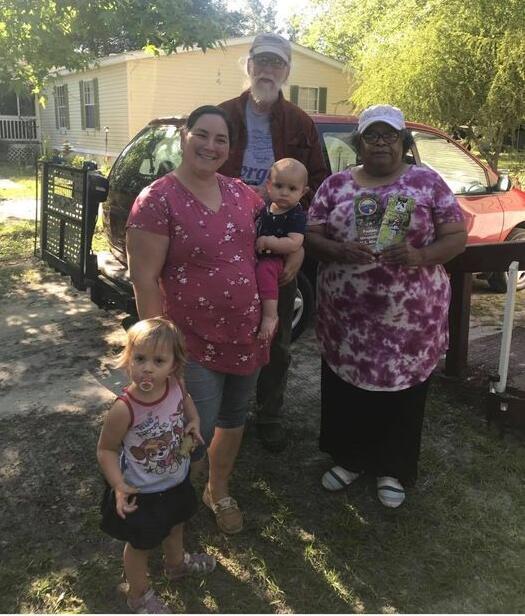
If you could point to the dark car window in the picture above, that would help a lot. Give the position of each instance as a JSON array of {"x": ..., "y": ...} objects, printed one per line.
[
  {"x": 462, "y": 174},
  {"x": 152, "y": 154}
]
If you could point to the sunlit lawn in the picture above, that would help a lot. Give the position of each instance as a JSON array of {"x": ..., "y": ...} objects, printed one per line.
[{"x": 23, "y": 176}]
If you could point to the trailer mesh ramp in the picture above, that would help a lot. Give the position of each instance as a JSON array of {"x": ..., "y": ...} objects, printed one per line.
[{"x": 63, "y": 230}]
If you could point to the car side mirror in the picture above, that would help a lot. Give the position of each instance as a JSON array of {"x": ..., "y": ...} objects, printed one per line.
[{"x": 504, "y": 182}]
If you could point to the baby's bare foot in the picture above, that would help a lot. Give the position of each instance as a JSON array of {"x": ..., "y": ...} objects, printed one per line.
[{"x": 268, "y": 325}]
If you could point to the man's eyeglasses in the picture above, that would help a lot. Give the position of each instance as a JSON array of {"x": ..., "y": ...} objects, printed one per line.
[
  {"x": 274, "y": 61},
  {"x": 373, "y": 137}
]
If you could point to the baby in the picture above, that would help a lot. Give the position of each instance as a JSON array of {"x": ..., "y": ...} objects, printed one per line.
[{"x": 280, "y": 231}]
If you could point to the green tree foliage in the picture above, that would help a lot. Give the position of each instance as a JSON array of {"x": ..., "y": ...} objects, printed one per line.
[
  {"x": 259, "y": 16},
  {"x": 37, "y": 35},
  {"x": 447, "y": 62}
]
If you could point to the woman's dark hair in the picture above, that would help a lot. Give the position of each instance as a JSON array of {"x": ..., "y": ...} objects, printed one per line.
[
  {"x": 213, "y": 110},
  {"x": 405, "y": 134}
]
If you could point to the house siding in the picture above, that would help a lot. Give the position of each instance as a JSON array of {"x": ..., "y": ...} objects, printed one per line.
[
  {"x": 179, "y": 83},
  {"x": 113, "y": 109},
  {"x": 312, "y": 73}
]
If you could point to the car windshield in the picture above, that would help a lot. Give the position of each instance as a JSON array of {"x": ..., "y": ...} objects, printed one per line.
[
  {"x": 153, "y": 153},
  {"x": 462, "y": 174}
]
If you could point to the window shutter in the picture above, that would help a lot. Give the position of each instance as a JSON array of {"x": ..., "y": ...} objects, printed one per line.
[
  {"x": 66, "y": 101},
  {"x": 55, "y": 95},
  {"x": 82, "y": 108},
  {"x": 294, "y": 94},
  {"x": 321, "y": 107},
  {"x": 95, "y": 95}
]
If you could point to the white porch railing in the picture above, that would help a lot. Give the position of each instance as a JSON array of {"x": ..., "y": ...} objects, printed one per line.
[{"x": 18, "y": 128}]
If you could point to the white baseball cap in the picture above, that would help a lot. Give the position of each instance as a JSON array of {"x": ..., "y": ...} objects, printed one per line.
[
  {"x": 271, "y": 43},
  {"x": 381, "y": 113}
]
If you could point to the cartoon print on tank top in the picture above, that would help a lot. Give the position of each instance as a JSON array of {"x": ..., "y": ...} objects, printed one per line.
[{"x": 159, "y": 452}]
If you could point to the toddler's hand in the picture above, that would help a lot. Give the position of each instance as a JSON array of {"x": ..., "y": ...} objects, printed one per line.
[
  {"x": 125, "y": 500},
  {"x": 193, "y": 428}
]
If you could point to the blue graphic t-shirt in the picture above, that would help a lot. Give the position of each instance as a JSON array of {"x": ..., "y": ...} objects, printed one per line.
[{"x": 258, "y": 155}]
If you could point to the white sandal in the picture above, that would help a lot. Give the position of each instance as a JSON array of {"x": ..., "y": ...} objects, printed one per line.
[
  {"x": 338, "y": 478},
  {"x": 390, "y": 492}
]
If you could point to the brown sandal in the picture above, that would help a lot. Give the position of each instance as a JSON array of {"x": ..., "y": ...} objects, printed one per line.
[{"x": 227, "y": 513}]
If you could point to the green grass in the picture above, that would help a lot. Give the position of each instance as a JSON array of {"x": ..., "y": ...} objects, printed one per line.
[
  {"x": 456, "y": 546},
  {"x": 100, "y": 241},
  {"x": 17, "y": 240},
  {"x": 24, "y": 178},
  {"x": 514, "y": 162}
]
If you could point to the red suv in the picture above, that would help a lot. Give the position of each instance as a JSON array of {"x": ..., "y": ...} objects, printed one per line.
[{"x": 494, "y": 211}]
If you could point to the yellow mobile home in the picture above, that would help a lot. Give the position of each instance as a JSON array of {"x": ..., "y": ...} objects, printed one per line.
[{"x": 98, "y": 111}]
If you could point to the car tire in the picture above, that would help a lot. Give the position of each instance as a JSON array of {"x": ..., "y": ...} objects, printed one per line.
[
  {"x": 498, "y": 280},
  {"x": 304, "y": 306}
]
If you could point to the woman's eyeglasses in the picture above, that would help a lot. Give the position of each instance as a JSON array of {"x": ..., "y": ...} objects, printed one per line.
[
  {"x": 274, "y": 61},
  {"x": 372, "y": 137}
]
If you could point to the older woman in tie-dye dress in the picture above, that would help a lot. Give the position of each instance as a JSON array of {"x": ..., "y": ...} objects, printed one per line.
[{"x": 381, "y": 232}]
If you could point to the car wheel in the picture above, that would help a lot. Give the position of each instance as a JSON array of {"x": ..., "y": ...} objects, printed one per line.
[
  {"x": 498, "y": 280},
  {"x": 303, "y": 306}
]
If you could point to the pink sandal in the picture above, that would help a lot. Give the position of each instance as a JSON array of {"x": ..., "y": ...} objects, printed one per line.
[
  {"x": 192, "y": 564},
  {"x": 149, "y": 603}
]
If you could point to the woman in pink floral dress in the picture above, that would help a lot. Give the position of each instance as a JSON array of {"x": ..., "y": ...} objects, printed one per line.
[
  {"x": 381, "y": 232},
  {"x": 191, "y": 254}
]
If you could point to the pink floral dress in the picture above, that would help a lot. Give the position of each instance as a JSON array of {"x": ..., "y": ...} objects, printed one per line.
[
  {"x": 383, "y": 327},
  {"x": 208, "y": 279}
]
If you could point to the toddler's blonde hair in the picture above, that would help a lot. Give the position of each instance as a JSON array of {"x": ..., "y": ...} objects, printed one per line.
[{"x": 157, "y": 332}]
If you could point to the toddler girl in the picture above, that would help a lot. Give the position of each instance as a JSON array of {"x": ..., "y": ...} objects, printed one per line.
[{"x": 143, "y": 451}]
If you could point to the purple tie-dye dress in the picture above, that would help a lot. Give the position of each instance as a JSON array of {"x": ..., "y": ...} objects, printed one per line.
[{"x": 383, "y": 327}]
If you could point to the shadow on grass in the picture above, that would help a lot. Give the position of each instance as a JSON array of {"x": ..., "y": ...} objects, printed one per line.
[{"x": 457, "y": 545}]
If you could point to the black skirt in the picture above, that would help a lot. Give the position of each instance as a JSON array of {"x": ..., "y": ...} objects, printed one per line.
[
  {"x": 157, "y": 513},
  {"x": 376, "y": 432}
]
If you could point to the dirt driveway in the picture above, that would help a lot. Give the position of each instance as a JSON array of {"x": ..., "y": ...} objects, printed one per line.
[
  {"x": 56, "y": 346},
  {"x": 52, "y": 347}
]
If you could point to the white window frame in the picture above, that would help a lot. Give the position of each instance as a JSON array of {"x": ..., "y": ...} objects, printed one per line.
[
  {"x": 89, "y": 104},
  {"x": 306, "y": 103},
  {"x": 62, "y": 105}
]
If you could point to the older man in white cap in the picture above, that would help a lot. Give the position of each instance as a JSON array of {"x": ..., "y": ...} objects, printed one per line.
[{"x": 270, "y": 128}]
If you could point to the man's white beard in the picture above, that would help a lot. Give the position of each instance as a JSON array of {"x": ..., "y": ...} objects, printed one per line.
[{"x": 265, "y": 93}]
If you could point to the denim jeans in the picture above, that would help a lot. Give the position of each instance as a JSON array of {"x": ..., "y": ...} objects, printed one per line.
[{"x": 221, "y": 399}]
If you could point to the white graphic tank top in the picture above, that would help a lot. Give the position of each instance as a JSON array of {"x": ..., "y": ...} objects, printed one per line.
[{"x": 151, "y": 459}]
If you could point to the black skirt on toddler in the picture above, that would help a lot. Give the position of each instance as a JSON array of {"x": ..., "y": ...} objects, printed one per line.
[{"x": 157, "y": 513}]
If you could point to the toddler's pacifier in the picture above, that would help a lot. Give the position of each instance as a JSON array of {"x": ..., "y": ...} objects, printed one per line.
[{"x": 146, "y": 385}]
